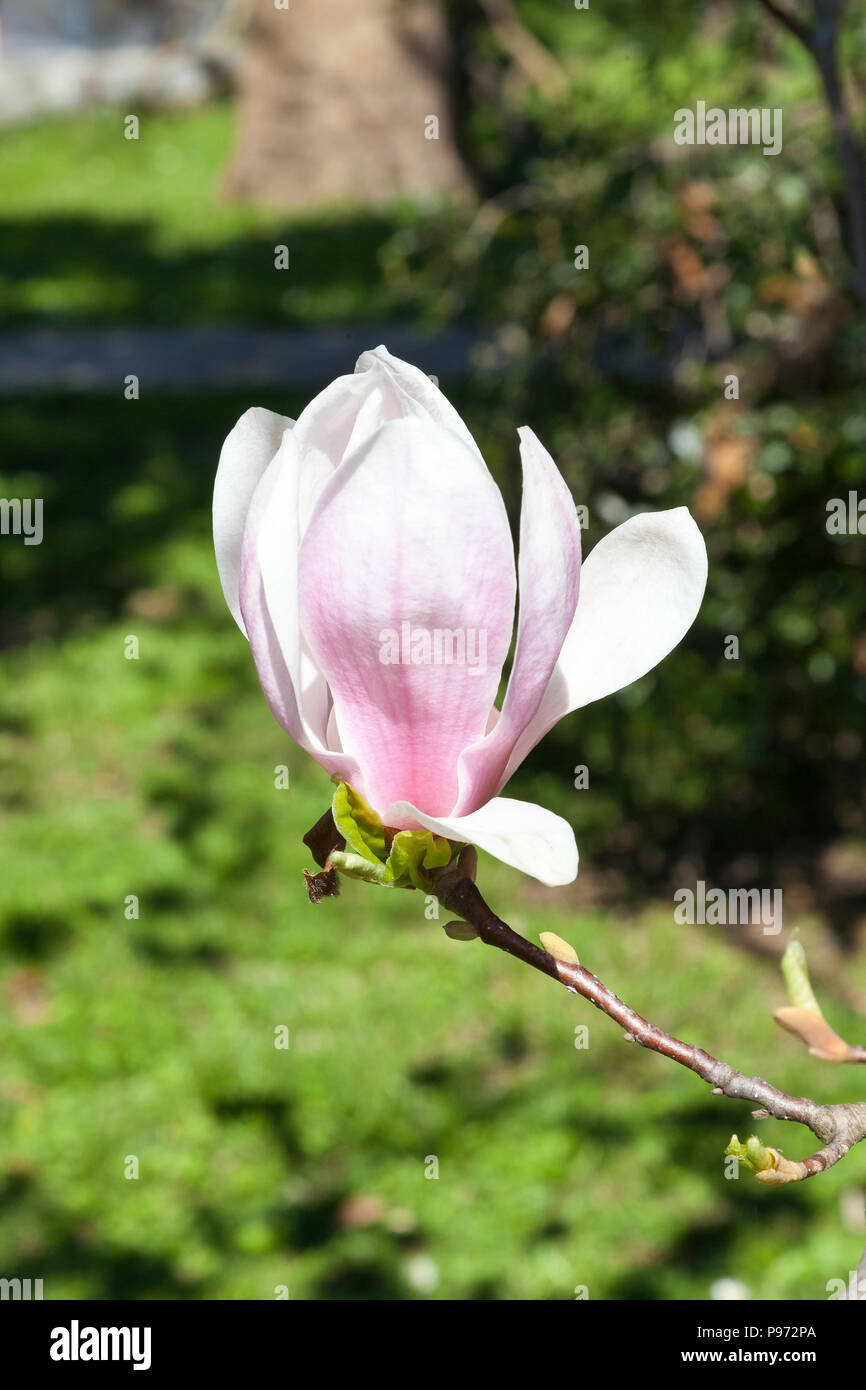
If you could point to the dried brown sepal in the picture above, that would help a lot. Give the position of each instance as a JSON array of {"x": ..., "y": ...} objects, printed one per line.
[
  {"x": 815, "y": 1032},
  {"x": 324, "y": 884},
  {"x": 323, "y": 838},
  {"x": 784, "y": 1170}
]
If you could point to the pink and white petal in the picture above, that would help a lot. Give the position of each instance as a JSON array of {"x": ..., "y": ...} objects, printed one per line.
[
  {"x": 640, "y": 591},
  {"x": 349, "y": 411},
  {"x": 293, "y": 685},
  {"x": 521, "y": 834},
  {"x": 408, "y": 531},
  {"x": 405, "y": 390},
  {"x": 277, "y": 685},
  {"x": 326, "y": 431},
  {"x": 245, "y": 455},
  {"x": 549, "y": 572}
]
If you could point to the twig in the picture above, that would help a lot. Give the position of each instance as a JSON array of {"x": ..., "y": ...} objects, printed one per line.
[
  {"x": 821, "y": 41},
  {"x": 790, "y": 23},
  {"x": 849, "y": 150},
  {"x": 534, "y": 60},
  {"x": 838, "y": 1127}
]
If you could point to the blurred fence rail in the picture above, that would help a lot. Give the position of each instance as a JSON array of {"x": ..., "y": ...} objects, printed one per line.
[{"x": 177, "y": 359}]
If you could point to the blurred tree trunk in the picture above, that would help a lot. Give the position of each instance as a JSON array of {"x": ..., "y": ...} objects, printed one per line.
[{"x": 344, "y": 99}]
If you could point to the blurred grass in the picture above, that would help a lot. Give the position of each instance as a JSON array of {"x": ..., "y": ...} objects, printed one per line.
[{"x": 95, "y": 228}]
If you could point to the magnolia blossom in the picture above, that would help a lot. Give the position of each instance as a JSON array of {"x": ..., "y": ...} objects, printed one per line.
[{"x": 365, "y": 552}]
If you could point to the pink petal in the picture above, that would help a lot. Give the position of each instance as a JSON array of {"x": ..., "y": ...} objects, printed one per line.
[
  {"x": 402, "y": 389},
  {"x": 351, "y": 409},
  {"x": 549, "y": 570},
  {"x": 410, "y": 530}
]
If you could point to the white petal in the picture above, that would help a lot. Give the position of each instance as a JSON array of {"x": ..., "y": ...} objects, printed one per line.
[
  {"x": 245, "y": 455},
  {"x": 271, "y": 544},
  {"x": 521, "y": 834},
  {"x": 402, "y": 389},
  {"x": 293, "y": 685},
  {"x": 640, "y": 591}
]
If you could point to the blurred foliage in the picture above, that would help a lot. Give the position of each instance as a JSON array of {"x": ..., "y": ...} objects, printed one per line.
[{"x": 155, "y": 1036}]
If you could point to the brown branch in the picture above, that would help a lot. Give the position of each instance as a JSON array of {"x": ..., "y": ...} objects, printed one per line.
[
  {"x": 790, "y": 23},
  {"x": 536, "y": 62},
  {"x": 821, "y": 42},
  {"x": 837, "y": 1127},
  {"x": 850, "y": 152}
]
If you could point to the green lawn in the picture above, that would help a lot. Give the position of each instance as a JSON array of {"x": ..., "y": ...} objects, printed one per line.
[{"x": 95, "y": 228}]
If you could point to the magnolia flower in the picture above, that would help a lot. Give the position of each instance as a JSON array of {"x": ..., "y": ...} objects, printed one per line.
[{"x": 365, "y": 552}]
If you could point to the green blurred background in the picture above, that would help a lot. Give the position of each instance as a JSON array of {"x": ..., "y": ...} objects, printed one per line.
[{"x": 262, "y": 1168}]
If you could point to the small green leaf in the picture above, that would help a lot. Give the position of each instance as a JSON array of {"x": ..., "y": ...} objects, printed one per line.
[
  {"x": 460, "y": 931},
  {"x": 412, "y": 850},
  {"x": 752, "y": 1153},
  {"x": 439, "y": 853},
  {"x": 356, "y": 866},
  {"x": 796, "y": 974},
  {"x": 394, "y": 859},
  {"x": 359, "y": 825}
]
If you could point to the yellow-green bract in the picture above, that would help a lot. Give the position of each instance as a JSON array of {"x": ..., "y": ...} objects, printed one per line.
[{"x": 376, "y": 855}]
